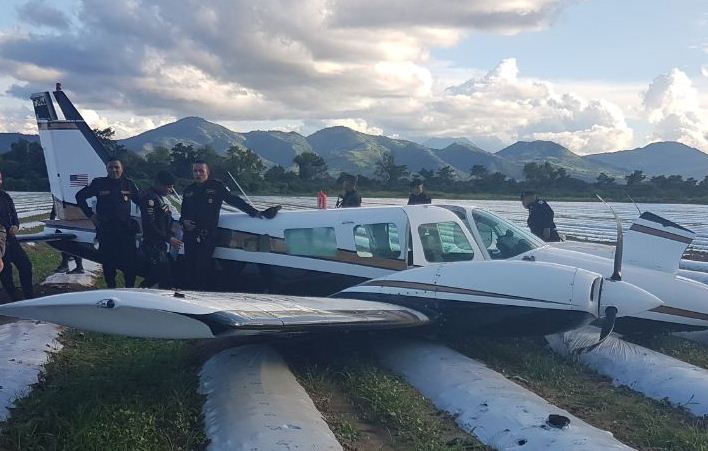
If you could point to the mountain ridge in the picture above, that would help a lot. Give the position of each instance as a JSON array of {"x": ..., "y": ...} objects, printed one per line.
[{"x": 347, "y": 150}]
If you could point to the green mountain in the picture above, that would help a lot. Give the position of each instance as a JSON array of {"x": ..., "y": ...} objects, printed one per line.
[
  {"x": 347, "y": 150},
  {"x": 189, "y": 131},
  {"x": 277, "y": 147},
  {"x": 464, "y": 156},
  {"x": 523, "y": 152},
  {"x": 660, "y": 158}
]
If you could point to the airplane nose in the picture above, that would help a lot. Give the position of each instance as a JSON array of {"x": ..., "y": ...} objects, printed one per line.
[{"x": 627, "y": 298}]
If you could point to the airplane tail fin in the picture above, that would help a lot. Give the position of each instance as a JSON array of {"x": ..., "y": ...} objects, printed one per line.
[
  {"x": 656, "y": 243},
  {"x": 73, "y": 153}
]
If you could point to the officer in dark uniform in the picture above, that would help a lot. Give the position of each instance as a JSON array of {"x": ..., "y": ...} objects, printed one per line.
[
  {"x": 115, "y": 230},
  {"x": 201, "y": 204},
  {"x": 540, "y": 220},
  {"x": 13, "y": 252},
  {"x": 419, "y": 196},
  {"x": 157, "y": 232},
  {"x": 350, "y": 197}
]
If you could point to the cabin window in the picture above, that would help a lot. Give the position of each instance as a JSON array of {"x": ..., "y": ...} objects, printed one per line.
[
  {"x": 501, "y": 238},
  {"x": 445, "y": 242},
  {"x": 377, "y": 240},
  {"x": 311, "y": 242}
]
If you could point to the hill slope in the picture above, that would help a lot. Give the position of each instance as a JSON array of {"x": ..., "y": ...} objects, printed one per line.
[
  {"x": 523, "y": 152},
  {"x": 189, "y": 131},
  {"x": 661, "y": 158}
]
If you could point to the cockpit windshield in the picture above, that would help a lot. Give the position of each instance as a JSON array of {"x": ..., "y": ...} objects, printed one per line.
[{"x": 501, "y": 238}]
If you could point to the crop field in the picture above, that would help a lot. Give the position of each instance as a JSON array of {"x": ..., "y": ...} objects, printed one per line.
[{"x": 112, "y": 393}]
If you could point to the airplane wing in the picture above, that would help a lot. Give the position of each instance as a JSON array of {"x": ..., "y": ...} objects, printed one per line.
[{"x": 190, "y": 314}]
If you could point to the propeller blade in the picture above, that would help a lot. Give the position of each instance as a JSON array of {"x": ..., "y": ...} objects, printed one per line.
[
  {"x": 609, "y": 324},
  {"x": 617, "y": 272}
]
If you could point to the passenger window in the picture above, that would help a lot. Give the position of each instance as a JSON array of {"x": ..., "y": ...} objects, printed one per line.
[
  {"x": 312, "y": 242},
  {"x": 377, "y": 240},
  {"x": 445, "y": 242}
]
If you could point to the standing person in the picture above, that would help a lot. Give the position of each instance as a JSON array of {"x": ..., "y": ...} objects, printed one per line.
[
  {"x": 201, "y": 204},
  {"x": 64, "y": 265},
  {"x": 419, "y": 196},
  {"x": 115, "y": 230},
  {"x": 540, "y": 220},
  {"x": 13, "y": 252},
  {"x": 350, "y": 197},
  {"x": 157, "y": 231}
]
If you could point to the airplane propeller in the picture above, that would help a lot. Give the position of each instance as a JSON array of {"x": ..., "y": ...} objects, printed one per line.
[{"x": 611, "y": 311}]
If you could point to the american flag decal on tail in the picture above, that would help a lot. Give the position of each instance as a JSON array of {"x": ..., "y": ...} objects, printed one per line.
[{"x": 78, "y": 180}]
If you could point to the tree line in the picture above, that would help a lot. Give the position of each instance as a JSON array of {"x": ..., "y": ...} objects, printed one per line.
[{"x": 24, "y": 170}]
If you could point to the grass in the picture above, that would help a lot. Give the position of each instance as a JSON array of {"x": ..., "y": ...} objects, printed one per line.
[
  {"x": 676, "y": 347},
  {"x": 109, "y": 393},
  {"x": 375, "y": 397},
  {"x": 634, "y": 419}
]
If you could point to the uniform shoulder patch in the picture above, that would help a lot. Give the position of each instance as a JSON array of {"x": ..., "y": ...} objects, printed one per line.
[{"x": 151, "y": 203}]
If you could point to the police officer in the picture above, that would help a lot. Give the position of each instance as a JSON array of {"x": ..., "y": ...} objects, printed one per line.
[
  {"x": 115, "y": 230},
  {"x": 540, "y": 220},
  {"x": 419, "y": 196},
  {"x": 350, "y": 197},
  {"x": 13, "y": 252},
  {"x": 201, "y": 204},
  {"x": 157, "y": 231}
]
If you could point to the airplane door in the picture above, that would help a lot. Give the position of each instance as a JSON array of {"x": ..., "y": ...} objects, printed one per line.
[{"x": 438, "y": 235}]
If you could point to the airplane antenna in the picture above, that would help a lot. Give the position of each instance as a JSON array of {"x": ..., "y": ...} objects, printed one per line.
[
  {"x": 239, "y": 187},
  {"x": 635, "y": 204}
]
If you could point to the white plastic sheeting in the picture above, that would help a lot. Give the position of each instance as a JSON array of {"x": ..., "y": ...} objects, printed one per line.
[
  {"x": 653, "y": 374},
  {"x": 500, "y": 413},
  {"x": 255, "y": 403},
  {"x": 24, "y": 348},
  {"x": 87, "y": 279}
]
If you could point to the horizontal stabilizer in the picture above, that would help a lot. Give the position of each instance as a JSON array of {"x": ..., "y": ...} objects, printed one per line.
[
  {"x": 166, "y": 314},
  {"x": 656, "y": 243},
  {"x": 34, "y": 237}
]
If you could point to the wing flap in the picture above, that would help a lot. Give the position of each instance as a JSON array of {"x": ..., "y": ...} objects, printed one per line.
[{"x": 165, "y": 314}]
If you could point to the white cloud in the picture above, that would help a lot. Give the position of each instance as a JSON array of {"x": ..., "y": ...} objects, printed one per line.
[
  {"x": 365, "y": 64},
  {"x": 504, "y": 105},
  {"x": 359, "y": 125},
  {"x": 672, "y": 105}
]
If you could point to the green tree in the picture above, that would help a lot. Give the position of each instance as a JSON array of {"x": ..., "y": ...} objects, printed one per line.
[
  {"x": 244, "y": 164},
  {"x": 310, "y": 166},
  {"x": 388, "y": 171},
  {"x": 604, "y": 180},
  {"x": 445, "y": 177},
  {"x": 635, "y": 178},
  {"x": 112, "y": 146},
  {"x": 182, "y": 158}
]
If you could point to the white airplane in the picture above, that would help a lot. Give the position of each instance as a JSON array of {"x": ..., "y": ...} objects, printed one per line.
[
  {"x": 384, "y": 267},
  {"x": 653, "y": 247}
]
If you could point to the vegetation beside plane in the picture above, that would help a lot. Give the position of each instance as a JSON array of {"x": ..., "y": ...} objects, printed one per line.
[{"x": 24, "y": 170}]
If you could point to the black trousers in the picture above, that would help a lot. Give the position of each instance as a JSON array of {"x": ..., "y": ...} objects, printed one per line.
[
  {"x": 158, "y": 265},
  {"x": 117, "y": 248},
  {"x": 198, "y": 259},
  {"x": 14, "y": 254}
]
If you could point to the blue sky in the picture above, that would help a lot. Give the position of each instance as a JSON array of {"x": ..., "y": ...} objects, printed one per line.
[
  {"x": 593, "y": 75},
  {"x": 626, "y": 40}
]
